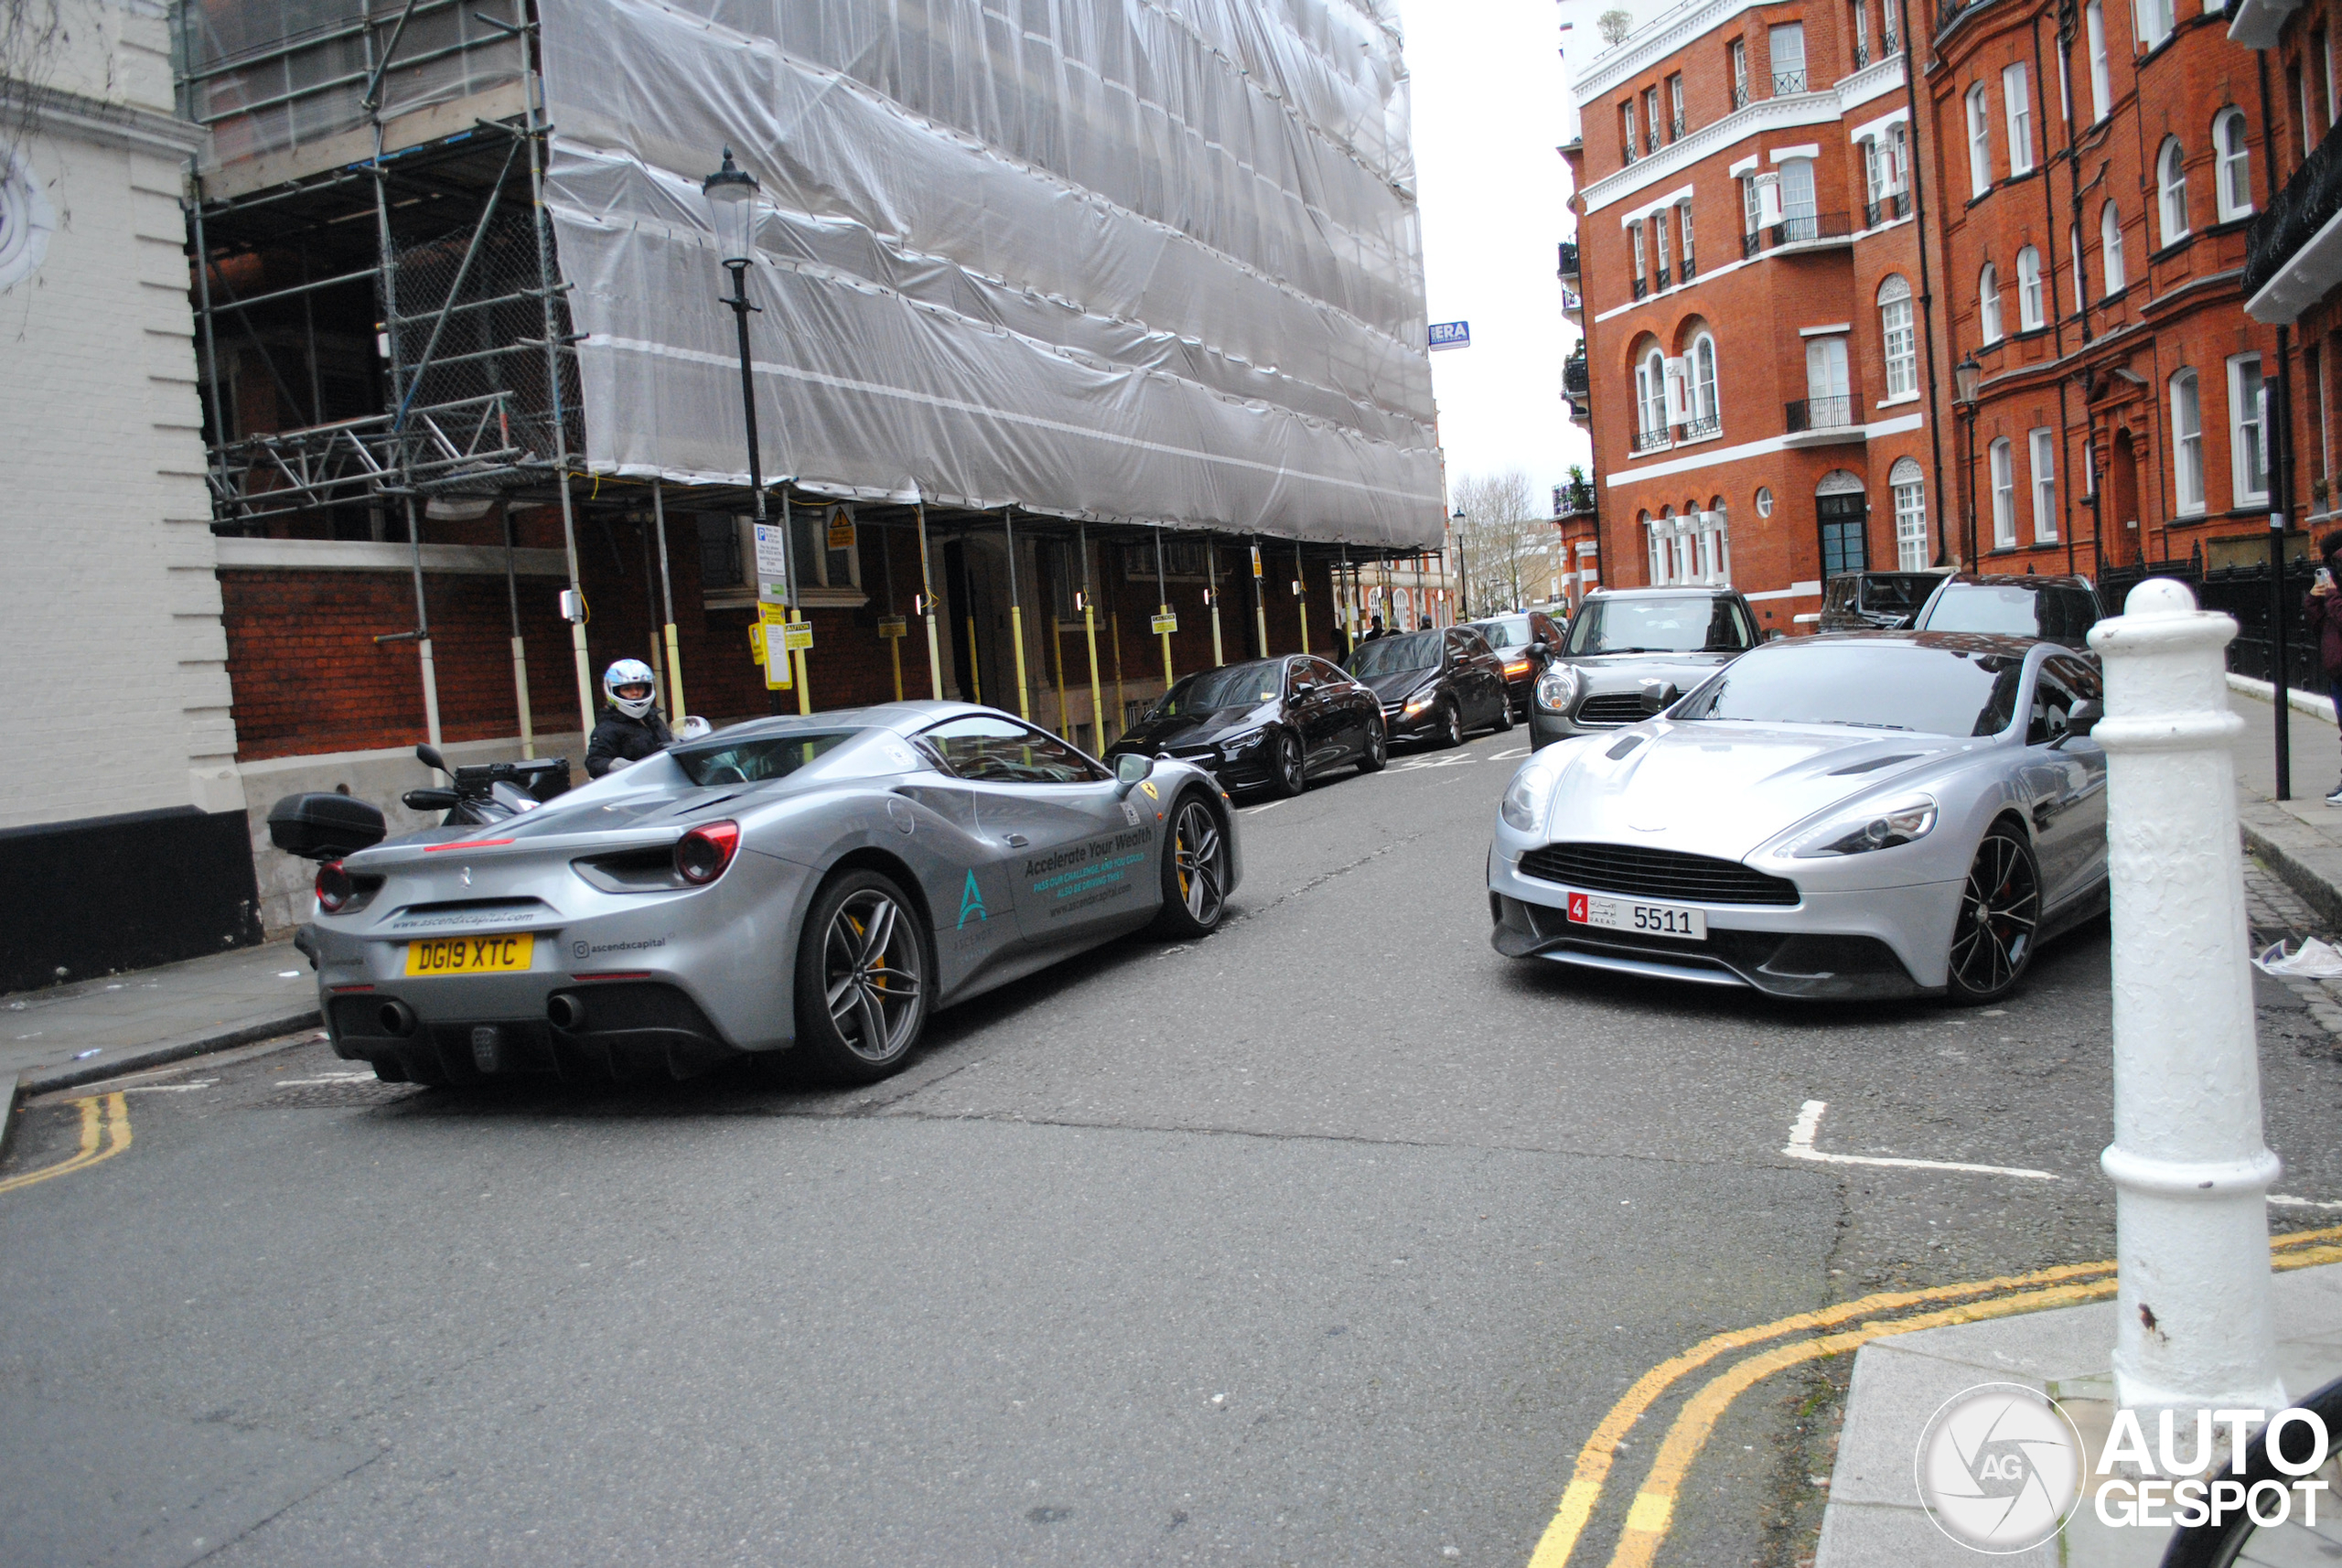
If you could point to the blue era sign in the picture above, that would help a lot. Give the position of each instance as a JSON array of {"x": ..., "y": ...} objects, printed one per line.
[{"x": 1451, "y": 335}]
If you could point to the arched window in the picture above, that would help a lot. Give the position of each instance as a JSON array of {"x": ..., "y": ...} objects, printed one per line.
[
  {"x": 1720, "y": 529},
  {"x": 2188, "y": 441},
  {"x": 2170, "y": 188},
  {"x": 1895, "y": 333},
  {"x": 1980, "y": 142},
  {"x": 2234, "y": 188},
  {"x": 2029, "y": 312},
  {"x": 1988, "y": 304},
  {"x": 1910, "y": 492},
  {"x": 2003, "y": 494},
  {"x": 1644, "y": 520},
  {"x": 2109, "y": 244},
  {"x": 1706, "y": 417},
  {"x": 1842, "y": 514},
  {"x": 1651, "y": 397}
]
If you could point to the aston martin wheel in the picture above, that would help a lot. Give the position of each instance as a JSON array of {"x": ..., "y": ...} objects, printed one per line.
[
  {"x": 862, "y": 971},
  {"x": 1377, "y": 749},
  {"x": 1284, "y": 767},
  {"x": 1194, "y": 870},
  {"x": 1999, "y": 908},
  {"x": 1451, "y": 724}
]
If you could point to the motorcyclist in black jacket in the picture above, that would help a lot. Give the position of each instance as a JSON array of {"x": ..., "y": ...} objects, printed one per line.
[{"x": 630, "y": 728}]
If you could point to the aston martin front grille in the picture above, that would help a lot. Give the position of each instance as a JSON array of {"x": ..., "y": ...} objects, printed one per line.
[
  {"x": 1612, "y": 708},
  {"x": 1645, "y": 873}
]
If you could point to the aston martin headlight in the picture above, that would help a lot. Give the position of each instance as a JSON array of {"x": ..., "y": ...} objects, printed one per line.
[
  {"x": 1558, "y": 687},
  {"x": 1523, "y": 806},
  {"x": 1900, "y": 823}
]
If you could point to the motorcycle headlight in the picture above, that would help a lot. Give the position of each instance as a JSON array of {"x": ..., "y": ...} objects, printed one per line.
[
  {"x": 1523, "y": 807},
  {"x": 1896, "y": 824},
  {"x": 1557, "y": 688}
]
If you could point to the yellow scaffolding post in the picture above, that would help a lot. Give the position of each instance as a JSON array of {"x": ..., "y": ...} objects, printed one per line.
[
  {"x": 892, "y": 627},
  {"x": 1163, "y": 620},
  {"x": 926, "y": 607},
  {"x": 1211, "y": 597},
  {"x": 1114, "y": 630},
  {"x": 1089, "y": 632},
  {"x": 1057, "y": 647},
  {"x": 1301, "y": 595},
  {"x": 667, "y": 591},
  {"x": 1260, "y": 602},
  {"x": 795, "y": 656},
  {"x": 1015, "y": 614}
]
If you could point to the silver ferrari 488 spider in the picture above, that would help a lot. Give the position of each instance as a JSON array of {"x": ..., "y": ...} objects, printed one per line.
[
  {"x": 820, "y": 883},
  {"x": 1863, "y": 816}
]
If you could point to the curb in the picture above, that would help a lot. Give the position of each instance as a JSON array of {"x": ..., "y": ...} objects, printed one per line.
[
  {"x": 2305, "y": 861},
  {"x": 2312, "y": 704}
]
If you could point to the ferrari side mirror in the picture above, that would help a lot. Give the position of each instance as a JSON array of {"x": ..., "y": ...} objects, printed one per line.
[{"x": 1131, "y": 769}]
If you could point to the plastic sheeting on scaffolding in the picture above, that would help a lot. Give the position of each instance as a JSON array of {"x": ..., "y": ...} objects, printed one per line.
[{"x": 1146, "y": 259}]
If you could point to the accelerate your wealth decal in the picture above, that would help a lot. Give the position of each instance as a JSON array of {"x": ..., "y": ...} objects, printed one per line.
[{"x": 1082, "y": 875}]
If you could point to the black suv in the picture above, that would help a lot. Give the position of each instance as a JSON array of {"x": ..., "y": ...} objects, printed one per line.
[
  {"x": 1524, "y": 640},
  {"x": 1875, "y": 601},
  {"x": 2055, "y": 610}
]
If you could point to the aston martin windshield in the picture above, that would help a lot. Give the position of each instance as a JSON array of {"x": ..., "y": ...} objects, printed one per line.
[
  {"x": 1675, "y": 623},
  {"x": 1238, "y": 686},
  {"x": 1930, "y": 691},
  {"x": 1390, "y": 655},
  {"x": 759, "y": 759}
]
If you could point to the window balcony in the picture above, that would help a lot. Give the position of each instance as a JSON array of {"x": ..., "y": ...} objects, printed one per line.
[
  {"x": 2294, "y": 251},
  {"x": 1572, "y": 304},
  {"x": 1569, "y": 257},
  {"x": 1699, "y": 428},
  {"x": 1820, "y": 413},
  {"x": 1649, "y": 440},
  {"x": 1642, "y": 287},
  {"x": 1798, "y": 229},
  {"x": 1751, "y": 242},
  {"x": 1675, "y": 129},
  {"x": 1575, "y": 381},
  {"x": 1574, "y": 499},
  {"x": 1861, "y": 53},
  {"x": 1787, "y": 82},
  {"x": 1740, "y": 95},
  {"x": 1627, "y": 152},
  {"x": 1664, "y": 280}
]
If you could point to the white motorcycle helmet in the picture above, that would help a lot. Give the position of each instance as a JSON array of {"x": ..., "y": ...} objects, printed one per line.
[{"x": 624, "y": 674}]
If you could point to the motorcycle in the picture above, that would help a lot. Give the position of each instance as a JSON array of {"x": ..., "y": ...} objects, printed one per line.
[{"x": 488, "y": 791}]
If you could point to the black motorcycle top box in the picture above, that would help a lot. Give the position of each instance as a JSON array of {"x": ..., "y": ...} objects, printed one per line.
[{"x": 324, "y": 826}]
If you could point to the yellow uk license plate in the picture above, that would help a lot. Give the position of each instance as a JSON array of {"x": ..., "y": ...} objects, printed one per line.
[{"x": 468, "y": 955}]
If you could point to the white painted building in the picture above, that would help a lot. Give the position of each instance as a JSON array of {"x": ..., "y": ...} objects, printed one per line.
[{"x": 123, "y": 837}]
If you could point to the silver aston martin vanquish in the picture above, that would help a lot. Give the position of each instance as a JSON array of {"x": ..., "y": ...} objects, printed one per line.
[
  {"x": 1862, "y": 816},
  {"x": 822, "y": 883}
]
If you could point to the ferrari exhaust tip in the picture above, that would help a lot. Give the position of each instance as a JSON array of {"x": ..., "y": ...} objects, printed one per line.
[
  {"x": 396, "y": 1017},
  {"x": 567, "y": 1013}
]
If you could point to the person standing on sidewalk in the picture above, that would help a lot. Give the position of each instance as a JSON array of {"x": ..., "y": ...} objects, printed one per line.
[{"x": 2323, "y": 613}]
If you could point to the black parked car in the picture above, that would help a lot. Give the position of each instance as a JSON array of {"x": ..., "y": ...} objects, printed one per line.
[
  {"x": 2055, "y": 610},
  {"x": 1435, "y": 685},
  {"x": 1524, "y": 641},
  {"x": 1875, "y": 601},
  {"x": 1267, "y": 723}
]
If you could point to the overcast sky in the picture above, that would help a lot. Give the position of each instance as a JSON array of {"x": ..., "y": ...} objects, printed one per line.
[{"x": 1490, "y": 105}]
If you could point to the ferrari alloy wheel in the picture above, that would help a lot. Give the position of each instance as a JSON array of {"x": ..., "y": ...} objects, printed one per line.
[
  {"x": 1377, "y": 749},
  {"x": 1284, "y": 767},
  {"x": 1999, "y": 908},
  {"x": 1451, "y": 724},
  {"x": 862, "y": 978},
  {"x": 1194, "y": 870}
]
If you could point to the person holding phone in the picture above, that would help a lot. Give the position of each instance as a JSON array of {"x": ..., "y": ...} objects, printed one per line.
[{"x": 2323, "y": 613}]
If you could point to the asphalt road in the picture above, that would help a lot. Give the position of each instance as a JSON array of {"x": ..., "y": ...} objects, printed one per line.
[{"x": 1327, "y": 1239}]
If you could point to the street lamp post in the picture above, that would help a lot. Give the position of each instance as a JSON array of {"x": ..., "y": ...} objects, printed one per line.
[
  {"x": 1462, "y": 570},
  {"x": 731, "y": 193},
  {"x": 1964, "y": 378}
]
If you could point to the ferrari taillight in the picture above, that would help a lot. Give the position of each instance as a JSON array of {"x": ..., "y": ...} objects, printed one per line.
[
  {"x": 702, "y": 854},
  {"x": 334, "y": 888}
]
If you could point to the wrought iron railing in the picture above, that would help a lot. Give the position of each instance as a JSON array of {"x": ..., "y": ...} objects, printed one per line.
[
  {"x": 1787, "y": 82},
  {"x": 1626, "y": 151},
  {"x": 1798, "y": 228},
  {"x": 1690, "y": 270},
  {"x": 1699, "y": 428},
  {"x": 1675, "y": 129},
  {"x": 1572, "y": 300},
  {"x": 1861, "y": 53},
  {"x": 1664, "y": 280},
  {"x": 1569, "y": 257},
  {"x": 1740, "y": 95},
  {"x": 1751, "y": 242},
  {"x": 1575, "y": 381},
  {"x": 1649, "y": 440},
  {"x": 1833, "y": 412},
  {"x": 1575, "y": 498},
  {"x": 2307, "y": 203},
  {"x": 1642, "y": 287}
]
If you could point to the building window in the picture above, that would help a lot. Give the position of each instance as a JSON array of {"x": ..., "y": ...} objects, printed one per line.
[
  {"x": 2004, "y": 496},
  {"x": 1635, "y": 238},
  {"x": 1895, "y": 333},
  {"x": 2029, "y": 312},
  {"x": 1764, "y": 501},
  {"x": 2155, "y": 21},
  {"x": 2101, "y": 86},
  {"x": 1796, "y": 200},
  {"x": 2234, "y": 186},
  {"x": 2187, "y": 442},
  {"x": 1829, "y": 397},
  {"x": 1651, "y": 395},
  {"x": 1675, "y": 106},
  {"x": 1659, "y": 238},
  {"x": 2109, "y": 244},
  {"x": 2044, "y": 443},
  {"x": 2170, "y": 188},
  {"x": 1752, "y": 206},
  {"x": 1843, "y": 515},
  {"x": 1737, "y": 53},
  {"x": 1980, "y": 142},
  {"x": 1683, "y": 226},
  {"x": 1706, "y": 415},
  {"x": 1862, "y": 34},
  {"x": 1686, "y": 570},
  {"x": 2017, "y": 100},
  {"x": 1658, "y": 549},
  {"x": 1651, "y": 116},
  {"x": 2074, "y": 249},
  {"x": 2249, "y": 473},
  {"x": 719, "y": 552},
  {"x": 2297, "y": 87},
  {"x": 1626, "y": 128},
  {"x": 1988, "y": 304},
  {"x": 2323, "y": 48},
  {"x": 1787, "y": 43},
  {"x": 1910, "y": 493},
  {"x": 1899, "y": 167}
]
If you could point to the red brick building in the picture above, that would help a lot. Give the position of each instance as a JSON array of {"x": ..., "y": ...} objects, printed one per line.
[{"x": 1754, "y": 302}]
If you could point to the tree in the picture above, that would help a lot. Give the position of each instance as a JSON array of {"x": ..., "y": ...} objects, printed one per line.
[
  {"x": 1613, "y": 25},
  {"x": 1504, "y": 540}
]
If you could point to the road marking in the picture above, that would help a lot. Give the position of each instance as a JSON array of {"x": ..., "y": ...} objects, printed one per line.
[
  {"x": 1508, "y": 753},
  {"x": 1594, "y": 1460},
  {"x": 1256, "y": 811},
  {"x": 1446, "y": 760},
  {"x": 1809, "y": 1123},
  {"x": 166, "y": 1088},
  {"x": 2281, "y": 1201},
  {"x": 105, "y": 1132}
]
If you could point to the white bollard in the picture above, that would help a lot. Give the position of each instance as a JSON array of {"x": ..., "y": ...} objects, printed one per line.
[{"x": 2190, "y": 1170}]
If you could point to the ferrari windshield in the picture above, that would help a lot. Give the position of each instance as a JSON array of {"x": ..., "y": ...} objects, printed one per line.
[
  {"x": 1671, "y": 623},
  {"x": 1236, "y": 686},
  {"x": 1391, "y": 655},
  {"x": 757, "y": 760},
  {"x": 1930, "y": 691}
]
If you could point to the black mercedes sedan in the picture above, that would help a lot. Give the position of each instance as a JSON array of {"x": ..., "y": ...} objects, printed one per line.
[
  {"x": 1524, "y": 640},
  {"x": 1435, "y": 685},
  {"x": 1272, "y": 723}
]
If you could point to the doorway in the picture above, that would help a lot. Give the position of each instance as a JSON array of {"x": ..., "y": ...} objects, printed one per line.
[{"x": 2124, "y": 545}]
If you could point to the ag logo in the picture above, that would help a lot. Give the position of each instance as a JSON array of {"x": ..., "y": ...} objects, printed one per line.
[
  {"x": 581, "y": 949},
  {"x": 972, "y": 902},
  {"x": 1999, "y": 1467}
]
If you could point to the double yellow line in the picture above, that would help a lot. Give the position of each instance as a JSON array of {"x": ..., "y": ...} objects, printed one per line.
[
  {"x": 105, "y": 1132},
  {"x": 1652, "y": 1513}
]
